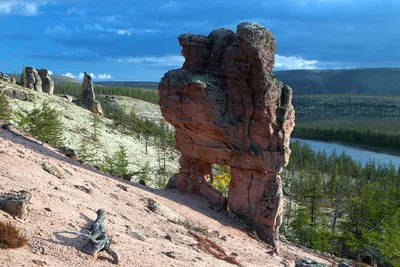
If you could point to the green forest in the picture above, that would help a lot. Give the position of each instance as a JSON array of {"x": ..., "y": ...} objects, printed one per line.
[
  {"x": 338, "y": 206},
  {"x": 371, "y": 121}
]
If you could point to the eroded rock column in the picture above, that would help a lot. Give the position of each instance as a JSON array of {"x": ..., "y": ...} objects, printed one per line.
[
  {"x": 228, "y": 108},
  {"x": 258, "y": 196}
]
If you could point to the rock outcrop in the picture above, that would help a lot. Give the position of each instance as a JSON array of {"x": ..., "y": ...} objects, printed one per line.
[
  {"x": 5, "y": 78},
  {"x": 229, "y": 109},
  {"x": 88, "y": 89},
  {"x": 47, "y": 82},
  {"x": 89, "y": 97},
  {"x": 32, "y": 79}
]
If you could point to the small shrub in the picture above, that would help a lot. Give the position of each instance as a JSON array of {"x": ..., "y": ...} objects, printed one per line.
[{"x": 10, "y": 236}]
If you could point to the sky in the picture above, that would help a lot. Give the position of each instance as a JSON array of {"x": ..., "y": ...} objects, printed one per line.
[{"x": 137, "y": 40}]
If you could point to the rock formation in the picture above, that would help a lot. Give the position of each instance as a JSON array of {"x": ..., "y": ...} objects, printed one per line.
[
  {"x": 88, "y": 90},
  {"x": 33, "y": 79},
  {"x": 47, "y": 82},
  {"x": 229, "y": 109},
  {"x": 89, "y": 97}
]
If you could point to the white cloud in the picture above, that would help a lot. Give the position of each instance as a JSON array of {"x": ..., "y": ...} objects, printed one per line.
[
  {"x": 103, "y": 76},
  {"x": 124, "y": 31},
  {"x": 169, "y": 60},
  {"x": 20, "y": 7},
  {"x": 94, "y": 76},
  {"x": 69, "y": 74},
  {"x": 74, "y": 10},
  {"x": 292, "y": 62},
  {"x": 50, "y": 72}
]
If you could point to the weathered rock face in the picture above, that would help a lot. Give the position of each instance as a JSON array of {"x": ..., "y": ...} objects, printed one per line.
[
  {"x": 47, "y": 82},
  {"x": 88, "y": 90},
  {"x": 33, "y": 79},
  {"x": 228, "y": 109}
]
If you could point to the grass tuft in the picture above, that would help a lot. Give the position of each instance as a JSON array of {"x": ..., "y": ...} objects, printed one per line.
[{"x": 10, "y": 236}]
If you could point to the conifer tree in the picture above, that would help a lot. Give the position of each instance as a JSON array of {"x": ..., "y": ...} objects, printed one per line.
[
  {"x": 85, "y": 152},
  {"x": 145, "y": 172},
  {"x": 96, "y": 126},
  {"x": 121, "y": 160},
  {"x": 5, "y": 109},
  {"x": 43, "y": 123},
  {"x": 23, "y": 76}
]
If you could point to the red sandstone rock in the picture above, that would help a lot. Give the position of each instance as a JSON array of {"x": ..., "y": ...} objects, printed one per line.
[{"x": 228, "y": 108}]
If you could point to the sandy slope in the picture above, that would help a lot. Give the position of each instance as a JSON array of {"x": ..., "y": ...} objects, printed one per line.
[{"x": 57, "y": 205}]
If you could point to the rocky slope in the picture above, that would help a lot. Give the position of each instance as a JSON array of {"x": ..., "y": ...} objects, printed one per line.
[
  {"x": 78, "y": 123},
  {"x": 142, "y": 237}
]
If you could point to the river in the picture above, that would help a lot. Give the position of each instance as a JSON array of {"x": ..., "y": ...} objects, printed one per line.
[{"x": 358, "y": 154}]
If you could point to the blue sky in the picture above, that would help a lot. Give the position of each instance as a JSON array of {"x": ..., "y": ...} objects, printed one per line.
[{"x": 137, "y": 40}]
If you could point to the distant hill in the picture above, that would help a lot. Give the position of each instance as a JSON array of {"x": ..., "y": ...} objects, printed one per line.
[
  {"x": 345, "y": 81},
  {"x": 383, "y": 81},
  {"x": 63, "y": 79},
  {"x": 136, "y": 84}
]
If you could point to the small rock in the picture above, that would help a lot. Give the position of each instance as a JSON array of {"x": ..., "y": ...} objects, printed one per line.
[
  {"x": 164, "y": 211},
  {"x": 83, "y": 189},
  {"x": 123, "y": 187},
  {"x": 137, "y": 236},
  {"x": 39, "y": 262},
  {"x": 170, "y": 254},
  {"x": 52, "y": 170},
  {"x": 42, "y": 250},
  {"x": 69, "y": 152},
  {"x": 234, "y": 254},
  {"x": 308, "y": 263},
  {"x": 169, "y": 237},
  {"x": 142, "y": 182},
  {"x": 48, "y": 209},
  {"x": 126, "y": 177}
]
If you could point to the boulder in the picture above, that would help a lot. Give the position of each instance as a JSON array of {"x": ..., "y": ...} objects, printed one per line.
[
  {"x": 96, "y": 108},
  {"x": 32, "y": 79},
  {"x": 228, "y": 108},
  {"x": 15, "y": 203},
  {"x": 47, "y": 82}
]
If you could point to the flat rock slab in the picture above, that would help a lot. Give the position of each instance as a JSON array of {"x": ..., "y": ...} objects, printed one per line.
[
  {"x": 308, "y": 263},
  {"x": 15, "y": 203}
]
